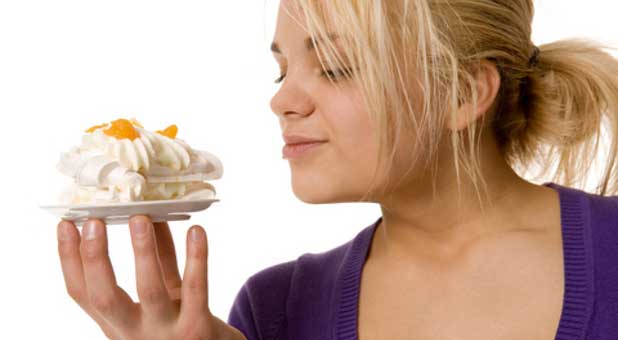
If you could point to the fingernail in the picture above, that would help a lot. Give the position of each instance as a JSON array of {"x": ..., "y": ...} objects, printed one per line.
[
  {"x": 92, "y": 230},
  {"x": 64, "y": 234},
  {"x": 139, "y": 226},
  {"x": 195, "y": 236}
]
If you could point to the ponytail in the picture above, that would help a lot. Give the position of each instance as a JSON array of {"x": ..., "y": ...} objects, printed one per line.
[{"x": 567, "y": 101}]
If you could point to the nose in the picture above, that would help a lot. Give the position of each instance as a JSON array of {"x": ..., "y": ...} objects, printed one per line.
[{"x": 291, "y": 99}]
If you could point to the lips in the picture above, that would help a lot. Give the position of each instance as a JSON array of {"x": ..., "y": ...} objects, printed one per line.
[
  {"x": 291, "y": 139},
  {"x": 296, "y": 150},
  {"x": 297, "y": 145}
]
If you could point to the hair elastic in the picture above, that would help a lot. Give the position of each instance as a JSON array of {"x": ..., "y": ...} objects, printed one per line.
[{"x": 534, "y": 59}]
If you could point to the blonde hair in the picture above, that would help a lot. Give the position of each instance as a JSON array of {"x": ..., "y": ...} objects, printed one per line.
[{"x": 551, "y": 112}]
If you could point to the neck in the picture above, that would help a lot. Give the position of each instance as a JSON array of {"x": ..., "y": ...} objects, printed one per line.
[{"x": 415, "y": 223}]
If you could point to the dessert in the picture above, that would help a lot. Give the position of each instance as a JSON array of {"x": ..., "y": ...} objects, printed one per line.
[{"x": 121, "y": 161}]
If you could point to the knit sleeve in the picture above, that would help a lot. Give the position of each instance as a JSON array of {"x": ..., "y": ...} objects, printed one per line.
[
  {"x": 259, "y": 309},
  {"x": 242, "y": 315}
]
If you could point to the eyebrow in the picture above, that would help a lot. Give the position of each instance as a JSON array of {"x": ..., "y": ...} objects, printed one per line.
[{"x": 309, "y": 43}]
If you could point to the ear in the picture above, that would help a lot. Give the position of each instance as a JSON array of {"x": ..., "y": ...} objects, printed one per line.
[{"x": 487, "y": 85}]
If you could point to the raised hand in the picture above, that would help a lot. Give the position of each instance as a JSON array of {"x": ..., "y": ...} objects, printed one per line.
[{"x": 170, "y": 307}]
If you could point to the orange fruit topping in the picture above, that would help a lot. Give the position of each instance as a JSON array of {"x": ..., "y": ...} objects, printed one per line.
[
  {"x": 169, "y": 131},
  {"x": 120, "y": 129}
]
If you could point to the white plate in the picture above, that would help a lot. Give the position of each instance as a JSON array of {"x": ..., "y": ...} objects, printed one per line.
[{"x": 119, "y": 213}]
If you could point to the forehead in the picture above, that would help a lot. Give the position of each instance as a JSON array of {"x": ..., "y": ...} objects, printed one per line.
[
  {"x": 291, "y": 31},
  {"x": 290, "y": 20},
  {"x": 291, "y": 16}
]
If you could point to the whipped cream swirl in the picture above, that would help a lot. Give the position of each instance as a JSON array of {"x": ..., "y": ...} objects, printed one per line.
[{"x": 152, "y": 166}]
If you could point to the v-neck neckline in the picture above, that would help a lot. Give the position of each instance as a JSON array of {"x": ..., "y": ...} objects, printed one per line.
[{"x": 578, "y": 270}]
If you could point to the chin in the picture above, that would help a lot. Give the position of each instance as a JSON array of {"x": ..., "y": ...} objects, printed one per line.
[
  {"x": 313, "y": 192},
  {"x": 323, "y": 191}
]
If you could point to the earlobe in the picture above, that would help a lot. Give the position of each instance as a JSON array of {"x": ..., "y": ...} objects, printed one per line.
[{"x": 487, "y": 86}]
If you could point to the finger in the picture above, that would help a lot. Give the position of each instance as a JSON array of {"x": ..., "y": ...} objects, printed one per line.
[
  {"x": 108, "y": 300},
  {"x": 195, "y": 277},
  {"x": 71, "y": 261},
  {"x": 154, "y": 298},
  {"x": 169, "y": 262},
  {"x": 72, "y": 271}
]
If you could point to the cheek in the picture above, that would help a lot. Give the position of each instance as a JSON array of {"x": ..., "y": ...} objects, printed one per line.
[
  {"x": 354, "y": 136},
  {"x": 343, "y": 170},
  {"x": 354, "y": 132}
]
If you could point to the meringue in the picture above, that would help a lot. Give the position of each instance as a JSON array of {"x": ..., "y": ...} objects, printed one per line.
[{"x": 121, "y": 161}]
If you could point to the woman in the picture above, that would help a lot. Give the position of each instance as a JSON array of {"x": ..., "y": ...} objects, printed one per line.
[{"x": 426, "y": 107}]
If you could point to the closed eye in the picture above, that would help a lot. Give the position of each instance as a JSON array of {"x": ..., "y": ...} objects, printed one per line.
[
  {"x": 338, "y": 73},
  {"x": 331, "y": 74},
  {"x": 280, "y": 79}
]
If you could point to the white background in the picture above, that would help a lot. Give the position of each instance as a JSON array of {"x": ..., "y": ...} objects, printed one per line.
[{"x": 203, "y": 65}]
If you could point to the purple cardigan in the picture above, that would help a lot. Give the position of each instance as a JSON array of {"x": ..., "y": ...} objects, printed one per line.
[{"x": 315, "y": 297}]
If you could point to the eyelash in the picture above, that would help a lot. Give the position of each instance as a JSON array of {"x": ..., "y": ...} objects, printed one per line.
[
  {"x": 333, "y": 74},
  {"x": 280, "y": 79}
]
